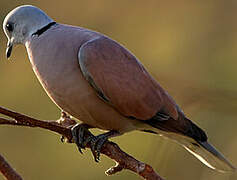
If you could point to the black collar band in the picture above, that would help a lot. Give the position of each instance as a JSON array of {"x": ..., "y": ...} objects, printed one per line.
[{"x": 43, "y": 29}]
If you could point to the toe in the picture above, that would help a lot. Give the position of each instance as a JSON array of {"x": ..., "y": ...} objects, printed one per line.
[
  {"x": 96, "y": 144},
  {"x": 100, "y": 143},
  {"x": 80, "y": 135},
  {"x": 93, "y": 148},
  {"x": 75, "y": 137}
]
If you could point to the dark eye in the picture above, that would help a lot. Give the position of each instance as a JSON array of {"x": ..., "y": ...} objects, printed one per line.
[{"x": 9, "y": 27}]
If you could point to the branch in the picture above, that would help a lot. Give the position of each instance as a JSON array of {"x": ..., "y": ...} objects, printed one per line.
[
  {"x": 62, "y": 127},
  {"x": 8, "y": 171}
]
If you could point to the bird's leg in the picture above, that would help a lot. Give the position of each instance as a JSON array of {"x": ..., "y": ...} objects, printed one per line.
[
  {"x": 98, "y": 141},
  {"x": 82, "y": 136}
]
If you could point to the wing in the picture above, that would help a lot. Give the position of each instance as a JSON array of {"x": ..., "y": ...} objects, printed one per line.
[{"x": 121, "y": 80}]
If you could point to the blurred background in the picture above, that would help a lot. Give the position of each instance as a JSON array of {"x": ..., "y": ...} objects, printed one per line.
[{"x": 189, "y": 46}]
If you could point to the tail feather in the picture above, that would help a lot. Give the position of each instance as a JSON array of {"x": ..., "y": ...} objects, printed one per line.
[
  {"x": 208, "y": 155},
  {"x": 193, "y": 139}
]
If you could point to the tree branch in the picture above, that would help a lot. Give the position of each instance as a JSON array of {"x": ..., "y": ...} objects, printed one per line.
[
  {"x": 62, "y": 127},
  {"x": 8, "y": 171}
]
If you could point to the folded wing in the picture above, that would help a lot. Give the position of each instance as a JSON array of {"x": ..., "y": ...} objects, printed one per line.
[{"x": 122, "y": 81}]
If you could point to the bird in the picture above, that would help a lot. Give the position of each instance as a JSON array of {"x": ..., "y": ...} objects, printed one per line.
[{"x": 98, "y": 81}]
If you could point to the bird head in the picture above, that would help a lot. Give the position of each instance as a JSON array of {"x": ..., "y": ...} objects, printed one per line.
[{"x": 21, "y": 23}]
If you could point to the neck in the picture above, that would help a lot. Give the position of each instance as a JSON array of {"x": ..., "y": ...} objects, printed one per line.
[{"x": 43, "y": 29}]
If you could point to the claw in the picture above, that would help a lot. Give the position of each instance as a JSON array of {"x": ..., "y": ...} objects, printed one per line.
[
  {"x": 76, "y": 134},
  {"x": 96, "y": 145},
  {"x": 82, "y": 136},
  {"x": 93, "y": 149}
]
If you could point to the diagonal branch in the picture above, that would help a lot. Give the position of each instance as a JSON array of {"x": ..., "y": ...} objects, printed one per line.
[
  {"x": 8, "y": 171},
  {"x": 62, "y": 127}
]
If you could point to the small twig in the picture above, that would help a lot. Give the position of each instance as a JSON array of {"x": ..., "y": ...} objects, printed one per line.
[
  {"x": 8, "y": 171},
  {"x": 110, "y": 149}
]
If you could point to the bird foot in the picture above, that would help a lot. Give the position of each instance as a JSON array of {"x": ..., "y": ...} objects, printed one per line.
[
  {"x": 96, "y": 144},
  {"x": 82, "y": 136}
]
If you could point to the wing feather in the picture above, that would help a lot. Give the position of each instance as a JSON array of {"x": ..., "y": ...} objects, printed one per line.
[{"x": 123, "y": 80}]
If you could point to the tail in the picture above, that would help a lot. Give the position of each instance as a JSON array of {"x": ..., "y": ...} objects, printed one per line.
[
  {"x": 208, "y": 155},
  {"x": 193, "y": 139}
]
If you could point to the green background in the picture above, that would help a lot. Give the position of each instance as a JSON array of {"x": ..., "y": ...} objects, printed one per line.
[{"x": 189, "y": 46}]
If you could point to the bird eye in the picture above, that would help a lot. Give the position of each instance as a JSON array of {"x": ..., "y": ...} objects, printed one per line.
[{"x": 9, "y": 27}]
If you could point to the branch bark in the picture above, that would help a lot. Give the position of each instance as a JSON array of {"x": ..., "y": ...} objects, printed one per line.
[
  {"x": 8, "y": 171},
  {"x": 62, "y": 127}
]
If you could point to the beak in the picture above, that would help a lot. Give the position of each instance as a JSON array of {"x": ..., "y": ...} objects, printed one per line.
[{"x": 9, "y": 49}]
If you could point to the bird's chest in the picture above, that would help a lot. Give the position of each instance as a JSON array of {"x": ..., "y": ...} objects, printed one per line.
[
  {"x": 60, "y": 75},
  {"x": 54, "y": 71}
]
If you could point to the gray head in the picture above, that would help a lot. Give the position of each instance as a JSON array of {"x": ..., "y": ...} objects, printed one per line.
[{"x": 21, "y": 23}]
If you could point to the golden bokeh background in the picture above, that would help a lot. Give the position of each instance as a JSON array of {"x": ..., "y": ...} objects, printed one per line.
[{"x": 189, "y": 46}]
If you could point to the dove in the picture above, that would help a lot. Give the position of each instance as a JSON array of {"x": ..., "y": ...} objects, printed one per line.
[{"x": 99, "y": 82}]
